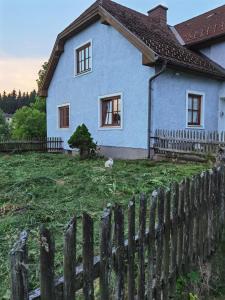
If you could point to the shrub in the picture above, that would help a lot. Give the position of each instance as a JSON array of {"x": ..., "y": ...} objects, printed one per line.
[
  {"x": 29, "y": 122},
  {"x": 83, "y": 140}
]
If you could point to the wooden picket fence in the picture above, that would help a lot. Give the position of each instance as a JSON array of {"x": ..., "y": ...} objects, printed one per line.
[
  {"x": 177, "y": 229},
  {"x": 51, "y": 144},
  {"x": 191, "y": 141}
]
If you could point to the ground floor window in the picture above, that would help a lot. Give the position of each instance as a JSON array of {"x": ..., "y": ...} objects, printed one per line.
[
  {"x": 111, "y": 111},
  {"x": 194, "y": 107},
  {"x": 64, "y": 116}
]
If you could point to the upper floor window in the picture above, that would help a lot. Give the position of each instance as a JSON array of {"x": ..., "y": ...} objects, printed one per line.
[
  {"x": 83, "y": 59},
  {"x": 64, "y": 119},
  {"x": 111, "y": 111},
  {"x": 194, "y": 110}
]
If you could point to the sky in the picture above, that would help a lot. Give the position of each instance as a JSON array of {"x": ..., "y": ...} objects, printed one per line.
[{"x": 28, "y": 29}]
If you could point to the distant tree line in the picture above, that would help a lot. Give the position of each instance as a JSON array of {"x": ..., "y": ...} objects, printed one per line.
[{"x": 10, "y": 102}]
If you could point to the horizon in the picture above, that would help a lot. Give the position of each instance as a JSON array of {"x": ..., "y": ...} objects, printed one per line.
[{"x": 20, "y": 23}]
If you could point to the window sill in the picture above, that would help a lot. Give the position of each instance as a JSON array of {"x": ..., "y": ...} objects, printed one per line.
[
  {"x": 64, "y": 129},
  {"x": 195, "y": 127},
  {"x": 82, "y": 74},
  {"x": 111, "y": 128}
]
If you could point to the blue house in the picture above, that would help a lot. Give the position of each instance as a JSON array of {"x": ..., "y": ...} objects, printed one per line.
[{"x": 125, "y": 74}]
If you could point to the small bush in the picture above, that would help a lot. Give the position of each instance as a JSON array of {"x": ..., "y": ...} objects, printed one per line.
[{"x": 83, "y": 140}]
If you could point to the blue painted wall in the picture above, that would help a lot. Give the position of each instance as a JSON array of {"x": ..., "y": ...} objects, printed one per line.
[
  {"x": 169, "y": 99},
  {"x": 117, "y": 68},
  {"x": 216, "y": 52}
]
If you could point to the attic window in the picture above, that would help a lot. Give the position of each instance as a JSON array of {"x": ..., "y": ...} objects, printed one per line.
[{"x": 83, "y": 59}]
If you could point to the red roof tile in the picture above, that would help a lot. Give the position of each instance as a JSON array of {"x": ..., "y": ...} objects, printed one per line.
[
  {"x": 160, "y": 39},
  {"x": 209, "y": 25}
]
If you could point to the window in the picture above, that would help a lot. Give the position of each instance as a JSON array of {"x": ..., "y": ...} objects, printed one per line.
[
  {"x": 64, "y": 116},
  {"x": 111, "y": 111},
  {"x": 194, "y": 110},
  {"x": 83, "y": 58}
]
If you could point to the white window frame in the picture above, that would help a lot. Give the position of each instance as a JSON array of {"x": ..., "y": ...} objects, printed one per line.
[
  {"x": 100, "y": 98},
  {"x": 198, "y": 93},
  {"x": 75, "y": 58},
  {"x": 58, "y": 116}
]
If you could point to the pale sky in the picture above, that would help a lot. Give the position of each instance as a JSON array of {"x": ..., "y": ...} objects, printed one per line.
[{"x": 28, "y": 29}]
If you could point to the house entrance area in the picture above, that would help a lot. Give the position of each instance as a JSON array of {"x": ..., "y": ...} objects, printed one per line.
[{"x": 221, "y": 123}]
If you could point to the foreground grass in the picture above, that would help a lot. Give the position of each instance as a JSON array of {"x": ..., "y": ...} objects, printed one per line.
[{"x": 50, "y": 188}]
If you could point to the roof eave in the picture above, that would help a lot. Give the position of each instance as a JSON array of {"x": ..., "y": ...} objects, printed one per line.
[{"x": 187, "y": 68}]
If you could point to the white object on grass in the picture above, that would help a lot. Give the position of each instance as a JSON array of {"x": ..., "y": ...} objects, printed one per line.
[{"x": 109, "y": 163}]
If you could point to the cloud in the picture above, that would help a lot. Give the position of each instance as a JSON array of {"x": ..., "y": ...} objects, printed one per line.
[{"x": 19, "y": 73}]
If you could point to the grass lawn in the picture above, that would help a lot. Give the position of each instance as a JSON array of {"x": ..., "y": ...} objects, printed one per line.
[{"x": 50, "y": 188}]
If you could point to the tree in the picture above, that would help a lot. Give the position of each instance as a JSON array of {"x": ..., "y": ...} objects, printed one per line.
[
  {"x": 29, "y": 122},
  {"x": 41, "y": 74},
  {"x": 4, "y": 127},
  {"x": 82, "y": 140}
]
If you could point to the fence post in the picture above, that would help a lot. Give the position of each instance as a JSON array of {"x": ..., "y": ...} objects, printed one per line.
[
  {"x": 119, "y": 244},
  {"x": 105, "y": 254},
  {"x": 166, "y": 243},
  {"x": 47, "y": 253},
  {"x": 174, "y": 223},
  {"x": 159, "y": 242},
  {"x": 131, "y": 249},
  {"x": 187, "y": 223},
  {"x": 151, "y": 249},
  {"x": 141, "y": 248},
  {"x": 180, "y": 228},
  {"x": 222, "y": 198},
  {"x": 88, "y": 257},
  {"x": 69, "y": 261},
  {"x": 19, "y": 269},
  {"x": 191, "y": 221}
]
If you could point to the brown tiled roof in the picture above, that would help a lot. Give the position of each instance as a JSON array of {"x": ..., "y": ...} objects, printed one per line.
[
  {"x": 207, "y": 26},
  {"x": 160, "y": 39},
  {"x": 153, "y": 39}
]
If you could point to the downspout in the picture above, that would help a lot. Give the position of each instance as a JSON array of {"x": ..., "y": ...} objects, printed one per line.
[{"x": 151, "y": 79}]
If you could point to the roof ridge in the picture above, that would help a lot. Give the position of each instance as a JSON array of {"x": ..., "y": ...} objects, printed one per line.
[{"x": 201, "y": 15}]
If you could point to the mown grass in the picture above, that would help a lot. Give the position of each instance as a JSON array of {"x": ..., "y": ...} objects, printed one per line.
[{"x": 50, "y": 188}]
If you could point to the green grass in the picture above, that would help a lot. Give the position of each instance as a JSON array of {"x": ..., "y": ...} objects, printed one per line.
[{"x": 50, "y": 188}]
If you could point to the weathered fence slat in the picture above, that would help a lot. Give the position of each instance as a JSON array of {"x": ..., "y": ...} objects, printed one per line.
[
  {"x": 159, "y": 242},
  {"x": 141, "y": 248},
  {"x": 152, "y": 248},
  {"x": 180, "y": 242},
  {"x": 70, "y": 261},
  {"x": 131, "y": 250},
  {"x": 88, "y": 257},
  {"x": 105, "y": 254},
  {"x": 19, "y": 269},
  {"x": 166, "y": 244},
  {"x": 119, "y": 252},
  {"x": 174, "y": 224},
  {"x": 47, "y": 253}
]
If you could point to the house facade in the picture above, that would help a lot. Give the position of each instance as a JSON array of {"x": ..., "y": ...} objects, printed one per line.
[{"x": 125, "y": 74}]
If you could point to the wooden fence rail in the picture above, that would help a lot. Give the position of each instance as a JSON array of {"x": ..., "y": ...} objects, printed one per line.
[
  {"x": 51, "y": 144},
  {"x": 178, "y": 227},
  {"x": 188, "y": 141}
]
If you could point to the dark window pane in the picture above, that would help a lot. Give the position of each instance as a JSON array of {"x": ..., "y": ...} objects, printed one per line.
[
  {"x": 111, "y": 115},
  {"x": 83, "y": 58}
]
